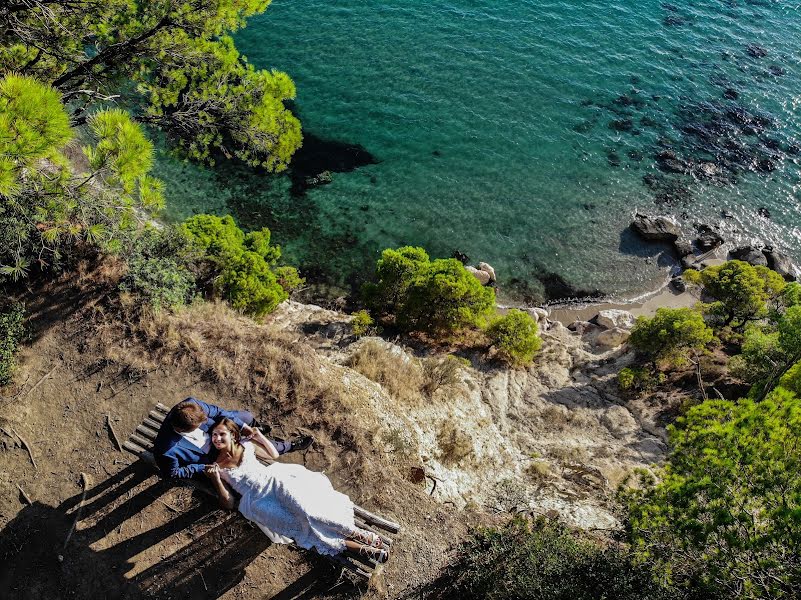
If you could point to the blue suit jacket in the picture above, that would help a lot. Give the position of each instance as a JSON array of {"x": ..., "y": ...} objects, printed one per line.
[{"x": 177, "y": 456}]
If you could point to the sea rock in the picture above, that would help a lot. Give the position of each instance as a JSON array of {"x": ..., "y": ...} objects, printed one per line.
[
  {"x": 541, "y": 313},
  {"x": 678, "y": 284},
  {"x": 656, "y": 229},
  {"x": 780, "y": 262},
  {"x": 683, "y": 247},
  {"x": 482, "y": 276},
  {"x": 612, "y": 318},
  {"x": 751, "y": 255},
  {"x": 612, "y": 338},
  {"x": 688, "y": 262},
  {"x": 482, "y": 266},
  {"x": 708, "y": 238}
]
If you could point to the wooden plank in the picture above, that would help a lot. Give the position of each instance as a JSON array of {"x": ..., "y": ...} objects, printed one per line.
[
  {"x": 142, "y": 442},
  {"x": 133, "y": 449},
  {"x": 160, "y": 407},
  {"x": 372, "y": 519},
  {"x": 156, "y": 416},
  {"x": 341, "y": 560},
  {"x": 146, "y": 432},
  {"x": 152, "y": 424}
]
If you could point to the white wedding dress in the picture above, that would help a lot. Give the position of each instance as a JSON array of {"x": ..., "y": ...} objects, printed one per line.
[{"x": 290, "y": 503}]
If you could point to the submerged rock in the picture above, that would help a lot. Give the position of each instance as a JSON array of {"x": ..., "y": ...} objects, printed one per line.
[{"x": 656, "y": 229}]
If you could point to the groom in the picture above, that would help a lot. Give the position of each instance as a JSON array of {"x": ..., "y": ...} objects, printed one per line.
[{"x": 183, "y": 444}]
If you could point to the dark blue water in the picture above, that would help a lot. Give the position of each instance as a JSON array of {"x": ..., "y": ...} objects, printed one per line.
[{"x": 526, "y": 133}]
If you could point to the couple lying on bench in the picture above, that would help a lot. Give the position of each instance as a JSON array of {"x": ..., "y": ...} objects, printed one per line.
[{"x": 287, "y": 501}]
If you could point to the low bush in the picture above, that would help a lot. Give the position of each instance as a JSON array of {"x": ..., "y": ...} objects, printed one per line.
[
  {"x": 11, "y": 331},
  {"x": 248, "y": 276},
  {"x": 638, "y": 379},
  {"x": 158, "y": 267},
  {"x": 396, "y": 372},
  {"x": 543, "y": 560},
  {"x": 515, "y": 337},
  {"x": 438, "y": 296},
  {"x": 442, "y": 373},
  {"x": 670, "y": 334},
  {"x": 362, "y": 323}
]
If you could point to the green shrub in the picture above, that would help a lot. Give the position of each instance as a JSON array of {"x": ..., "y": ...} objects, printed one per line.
[
  {"x": 638, "y": 379},
  {"x": 741, "y": 291},
  {"x": 670, "y": 334},
  {"x": 362, "y": 323},
  {"x": 288, "y": 278},
  {"x": 157, "y": 267},
  {"x": 11, "y": 331},
  {"x": 246, "y": 263},
  {"x": 724, "y": 518},
  {"x": 249, "y": 285},
  {"x": 515, "y": 337},
  {"x": 433, "y": 296},
  {"x": 543, "y": 560}
]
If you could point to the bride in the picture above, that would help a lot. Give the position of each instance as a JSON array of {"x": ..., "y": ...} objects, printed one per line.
[{"x": 288, "y": 502}]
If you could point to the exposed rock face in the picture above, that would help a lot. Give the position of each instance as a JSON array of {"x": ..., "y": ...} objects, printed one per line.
[
  {"x": 483, "y": 277},
  {"x": 564, "y": 411},
  {"x": 780, "y": 263},
  {"x": 612, "y": 338},
  {"x": 613, "y": 317},
  {"x": 656, "y": 229},
  {"x": 750, "y": 255},
  {"x": 583, "y": 327}
]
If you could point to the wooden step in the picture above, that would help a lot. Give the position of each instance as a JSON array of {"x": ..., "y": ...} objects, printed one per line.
[
  {"x": 147, "y": 432},
  {"x": 157, "y": 416},
  {"x": 372, "y": 519},
  {"x": 141, "y": 442}
]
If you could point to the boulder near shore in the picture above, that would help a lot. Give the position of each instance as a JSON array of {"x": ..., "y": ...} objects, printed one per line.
[{"x": 656, "y": 229}]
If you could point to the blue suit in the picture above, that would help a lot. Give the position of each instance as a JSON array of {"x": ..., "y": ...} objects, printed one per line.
[{"x": 180, "y": 458}]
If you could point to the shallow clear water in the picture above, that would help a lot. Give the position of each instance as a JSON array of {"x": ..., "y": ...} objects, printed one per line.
[{"x": 519, "y": 132}]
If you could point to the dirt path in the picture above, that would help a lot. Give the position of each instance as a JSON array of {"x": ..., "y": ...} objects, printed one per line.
[{"x": 136, "y": 536}]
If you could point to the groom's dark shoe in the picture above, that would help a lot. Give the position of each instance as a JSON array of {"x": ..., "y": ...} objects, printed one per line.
[{"x": 301, "y": 443}]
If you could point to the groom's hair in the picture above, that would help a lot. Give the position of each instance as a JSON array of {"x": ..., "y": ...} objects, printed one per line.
[{"x": 187, "y": 416}]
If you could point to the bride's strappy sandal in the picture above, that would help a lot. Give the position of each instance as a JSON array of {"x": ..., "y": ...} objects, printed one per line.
[
  {"x": 368, "y": 538},
  {"x": 379, "y": 555}
]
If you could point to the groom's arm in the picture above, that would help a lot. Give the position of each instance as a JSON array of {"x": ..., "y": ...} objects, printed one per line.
[
  {"x": 171, "y": 468},
  {"x": 215, "y": 412}
]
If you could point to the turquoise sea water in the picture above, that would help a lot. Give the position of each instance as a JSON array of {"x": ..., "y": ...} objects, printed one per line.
[{"x": 525, "y": 133}]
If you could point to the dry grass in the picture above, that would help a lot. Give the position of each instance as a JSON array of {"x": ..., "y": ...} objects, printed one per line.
[
  {"x": 399, "y": 374},
  {"x": 247, "y": 360},
  {"x": 406, "y": 378},
  {"x": 454, "y": 444}
]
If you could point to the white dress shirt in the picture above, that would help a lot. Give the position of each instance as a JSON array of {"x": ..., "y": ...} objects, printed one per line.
[{"x": 199, "y": 438}]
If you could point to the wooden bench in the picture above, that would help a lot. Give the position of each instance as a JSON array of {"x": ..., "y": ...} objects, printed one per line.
[{"x": 140, "y": 444}]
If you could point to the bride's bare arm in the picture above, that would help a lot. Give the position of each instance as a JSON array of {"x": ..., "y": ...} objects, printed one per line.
[
  {"x": 261, "y": 440},
  {"x": 223, "y": 493}
]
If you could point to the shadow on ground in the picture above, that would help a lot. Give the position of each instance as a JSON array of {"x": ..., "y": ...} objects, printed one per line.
[{"x": 198, "y": 553}]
